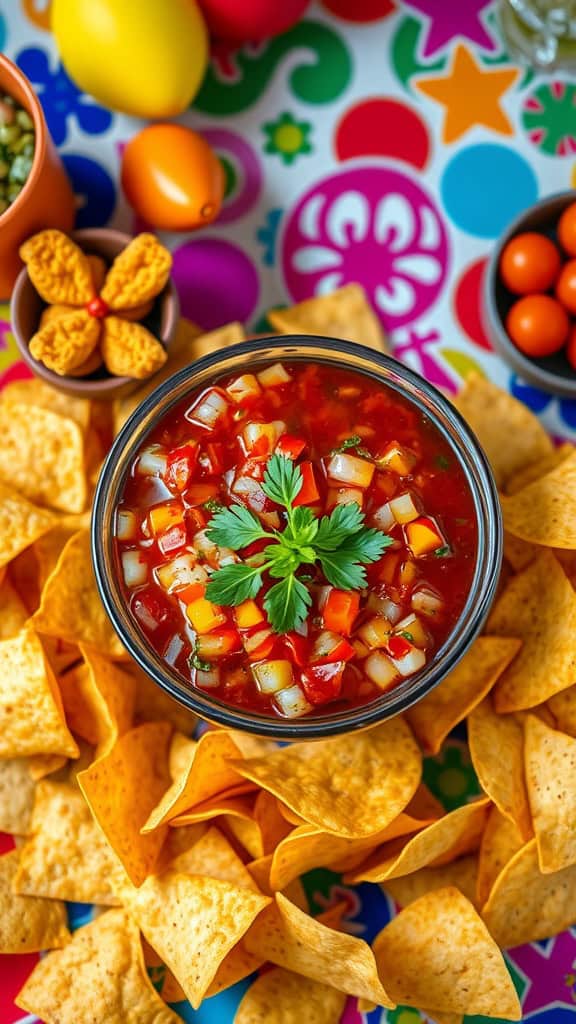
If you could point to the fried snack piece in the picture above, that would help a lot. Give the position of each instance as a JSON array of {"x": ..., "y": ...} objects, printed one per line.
[
  {"x": 58, "y": 269},
  {"x": 130, "y": 350},
  {"x": 65, "y": 343},
  {"x": 138, "y": 274}
]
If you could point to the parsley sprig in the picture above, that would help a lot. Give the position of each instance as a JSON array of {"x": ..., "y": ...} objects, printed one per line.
[{"x": 340, "y": 542}]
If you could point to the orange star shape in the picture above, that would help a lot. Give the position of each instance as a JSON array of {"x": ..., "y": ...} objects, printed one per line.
[{"x": 471, "y": 95}]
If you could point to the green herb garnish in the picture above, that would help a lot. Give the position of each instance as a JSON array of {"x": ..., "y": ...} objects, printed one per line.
[
  {"x": 407, "y": 636},
  {"x": 442, "y": 552},
  {"x": 213, "y": 505},
  {"x": 195, "y": 661},
  {"x": 442, "y": 461},
  {"x": 340, "y": 542}
]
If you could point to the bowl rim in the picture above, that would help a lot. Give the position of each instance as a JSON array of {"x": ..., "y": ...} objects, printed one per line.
[
  {"x": 527, "y": 368},
  {"x": 34, "y": 108},
  {"x": 390, "y": 373}
]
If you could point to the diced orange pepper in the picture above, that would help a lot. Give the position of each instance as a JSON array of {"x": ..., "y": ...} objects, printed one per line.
[
  {"x": 191, "y": 593},
  {"x": 248, "y": 614},
  {"x": 164, "y": 516},
  {"x": 423, "y": 536},
  {"x": 340, "y": 610},
  {"x": 205, "y": 616},
  {"x": 308, "y": 493}
]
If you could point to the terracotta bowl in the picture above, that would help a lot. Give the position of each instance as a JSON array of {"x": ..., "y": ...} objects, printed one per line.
[{"x": 27, "y": 306}]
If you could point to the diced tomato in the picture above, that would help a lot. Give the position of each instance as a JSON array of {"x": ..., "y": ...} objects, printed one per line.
[
  {"x": 299, "y": 648},
  {"x": 150, "y": 609},
  {"x": 182, "y": 462},
  {"x": 173, "y": 540},
  {"x": 309, "y": 493},
  {"x": 259, "y": 644},
  {"x": 218, "y": 644},
  {"x": 191, "y": 593},
  {"x": 340, "y": 610},
  {"x": 195, "y": 519},
  {"x": 322, "y": 683},
  {"x": 211, "y": 458},
  {"x": 330, "y": 646},
  {"x": 290, "y": 447},
  {"x": 399, "y": 646}
]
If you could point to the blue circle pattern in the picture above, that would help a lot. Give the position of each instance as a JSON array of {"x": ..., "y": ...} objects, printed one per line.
[
  {"x": 94, "y": 190},
  {"x": 61, "y": 98},
  {"x": 485, "y": 186},
  {"x": 538, "y": 401}
]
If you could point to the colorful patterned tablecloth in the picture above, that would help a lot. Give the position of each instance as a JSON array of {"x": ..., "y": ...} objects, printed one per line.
[{"x": 378, "y": 141}]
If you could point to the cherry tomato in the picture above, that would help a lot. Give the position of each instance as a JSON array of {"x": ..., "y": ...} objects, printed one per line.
[
  {"x": 566, "y": 286},
  {"x": 172, "y": 177},
  {"x": 529, "y": 263},
  {"x": 567, "y": 230},
  {"x": 571, "y": 348},
  {"x": 538, "y": 325},
  {"x": 244, "y": 21}
]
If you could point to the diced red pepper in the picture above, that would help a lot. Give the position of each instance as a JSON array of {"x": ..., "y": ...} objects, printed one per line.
[
  {"x": 340, "y": 610},
  {"x": 339, "y": 650},
  {"x": 308, "y": 493},
  {"x": 182, "y": 462},
  {"x": 150, "y": 609},
  {"x": 399, "y": 646},
  {"x": 191, "y": 593},
  {"x": 173, "y": 540},
  {"x": 211, "y": 458},
  {"x": 290, "y": 447},
  {"x": 195, "y": 519},
  {"x": 299, "y": 647},
  {"x": 322, "y": 683},
  {"x": 264, "y": 650}
]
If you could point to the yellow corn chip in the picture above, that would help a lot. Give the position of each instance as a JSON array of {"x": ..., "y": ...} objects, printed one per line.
[
  {"x": 130, "y": 350},
  {"x": 495, "y": 415},
  {"x": 237, "y": 807},
  {"x": 501, "y": 840},
  {"x": 432, "y": 718},
  {"x": 518, "y": 553},
  {"x": 525, "y": 905},
  {"x": 271, "y": 823},
  {"x": 550, "y": 759},
  {"x": 497, "y": 752},
  {"x": 345, "y": 313},
  {"x": 23, "y": 575},
  {"x": 453, "y": 836},
  {"x": 438, "y": 953},
  {"x": 41, "y": 765},
  {"x": 41, "y": 396},
  {"x": 460, "y": 874},
  {"x": 288, "y": 937},
  {"x": 16, "y": 796},
  {"x": 138, "y": 274},
  {"x": 563, "y": 709},
  {"x": 57, "y": 267},
  {"x": 46, "y": 463},
  {"x": 27, "y": 924},
  {"x": 245, "y": 834},
  {"x": 542, "y": 512},
  {"x": 182, "y": 753},
  {"x": 66, "y": 856},
  {"x": 31, "y": 717},
  {"x": 121, "y": 790},
  {"x": 192, "y": 922},
  {"x": 100, "y": 975},
  {"x": 278, "y": 996},
  {"x": 213, "y": 856},
  {"x": 98, "y": 700},
  {"x": 13, "y": 614},
  {"x": 66, "y": 343},
  {"x": 154, "y": 705},
  {"x": 424, "y": 805},
  {"x": 71, "y": 608},
  {"x": 236, "y": 965},
  {"x": 21, "y": 523},
  {"x": 352, "y": 785},
  {"x": 536, "y": 470},
  {"x": 547, "y": 661}
]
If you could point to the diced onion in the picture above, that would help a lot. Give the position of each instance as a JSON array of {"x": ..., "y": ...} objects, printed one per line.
[
  {"x": 273, "y": 376},
  {"x": 325, "y": 644},
  {"x": 214, "y": 645},
  {"x": 410, "y": 663},
  {"x": 403, "y": 508},
  {"x": 152, "y": 462},
  {"x": 349, "y": 469},
  {"x": 173, "y": 649},
  {"x": 375, "y": 632},
  {"x": 204, "y": 545},
  {"x": 291, "y": 702},
  {"x": 272, "y": 676},
  {"x": 383, "y": 518},
  {"x": 381, "y": 670},
  {"x": 207, "y": 680},
  {"x": 427, "y": 602},
  {"x": 344, "y": 496},
  {"x": 384, "y": 606},
  {"x": 412, "y": 625},
  {"x": 244, "y": 388},
  {"x": 126, "y": 524},
  {"x": 180, "y": 572},
  {"x": 255, "y": 640},
  {"x": 257, "y": 433},
  {"x": 144, "y": 615},
  {"x": 211, "y": 406},
  {"x": 134, "y": 568}
]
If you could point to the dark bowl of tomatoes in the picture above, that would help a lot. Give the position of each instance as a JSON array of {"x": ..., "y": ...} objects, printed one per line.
[
  {"x": 297, "y": 537},
  {"x": 530, "y": 295}
]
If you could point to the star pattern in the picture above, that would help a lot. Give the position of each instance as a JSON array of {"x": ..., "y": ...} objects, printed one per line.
[
  {"x": 471, "y": 95},
  {"x": 451, "y": 19}
]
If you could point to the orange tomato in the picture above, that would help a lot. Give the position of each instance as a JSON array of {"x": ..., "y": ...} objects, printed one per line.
[
  {"x": 571, "y": 348},
  {"x": 172, "y": 177},
  {"x": 538, "y": 325},
  {"x": 529, "y": 263},
  {"x": 566, "y": 286},
  {"x": 567, "y": 230}
]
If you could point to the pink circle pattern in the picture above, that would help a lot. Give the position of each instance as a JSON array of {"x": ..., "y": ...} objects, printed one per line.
[{"x": 372, "y": 224}]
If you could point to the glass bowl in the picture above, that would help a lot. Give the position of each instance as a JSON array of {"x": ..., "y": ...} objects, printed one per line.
[{"x": 249, "y": 356}]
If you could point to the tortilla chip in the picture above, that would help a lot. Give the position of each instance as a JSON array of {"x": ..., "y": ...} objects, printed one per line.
[
  {"x": 460, "y": 874},
  {"x": 122, "y": 788},
  {"x": 46, "y": 463},
  {"x": 438, "y": 953},
  {"x": 509, "y": 433},
  {"x": 154, "y": 705},
  {"x": 453, "y": 836},
  {"x": 525, "y": 905},
  {"x": 66, "y": 856},
  {"x": 71, "y": 608},
  {"x": 16, "y": 796},
  {"x": 547, "y": 662},
  {"x": 501, "y": 840},
  {"x": 536, "y": 470},
  {"x": 101, "y": 971},
  {"x": 208, "y": 774},
  {"x": 244, "y": 831},
  {"x": 98, "y": 701},
  {"x": 60, "y": 655},
  {"x": 278, "y": 996},
  {"x": 271, "y": 823},
  {"x": 21, "y": 523},
  {"x": 182, "y": 753},
  {"x": 434, "y": 717},
  {"x": 13, "y": 614},
  {"x": 236, "y": 965},
  {"x": 41, "y": 396},
  {"x": 41, "y": 765},
  {"x": 192, "y": 922},
  {"x": 352, "y": 785},
  {"x": 563, "y": 709},
  {"x": 31, "y": 717},
  {"x": 550, "y": 759},
  {"x": 497, "y": 751},
  {"x": 345, "y": 313},
  {"x": 542, "y": 513},
  {"x": 238, "y": 807},
  {"x": 518, "y": 553},
  {"x": 27, "y": 924},
  {"x": 49, "y": 548},
  {"x": 213, "y": 857}
]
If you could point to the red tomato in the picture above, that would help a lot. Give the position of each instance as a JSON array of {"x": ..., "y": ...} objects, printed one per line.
[
  {"x": 571, "y": 348},
  {"x": 538, "y": 325},
  {"x": 566, "y": 286},
  {"x": 567, "y": 230},
  {"x": 172, "y": 177},
  {"x": 529, "y": 263},
  {"x": 243, "y": 21}
]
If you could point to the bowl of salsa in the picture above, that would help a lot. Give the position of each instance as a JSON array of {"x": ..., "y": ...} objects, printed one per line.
[{"x": 296, "y": 537}]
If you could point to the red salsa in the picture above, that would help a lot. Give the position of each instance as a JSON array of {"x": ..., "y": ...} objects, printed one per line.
[{"x": 350, "y": 440}]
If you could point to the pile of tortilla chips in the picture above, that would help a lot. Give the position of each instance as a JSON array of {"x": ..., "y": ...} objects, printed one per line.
[{"x": 194, "y": 849}]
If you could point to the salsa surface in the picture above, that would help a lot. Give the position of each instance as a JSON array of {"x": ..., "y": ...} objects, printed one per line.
[{"x": 355, "y": 441}]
